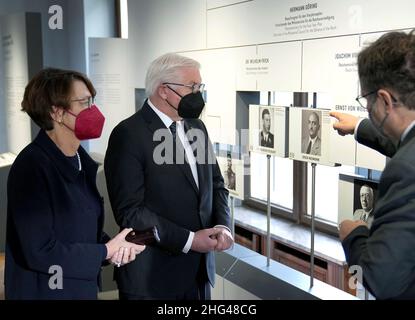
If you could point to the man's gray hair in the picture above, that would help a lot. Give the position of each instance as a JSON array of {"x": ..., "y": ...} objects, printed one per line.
[
  {"x": 164, "y": 69},
  {"x": 370, "y": 189}
]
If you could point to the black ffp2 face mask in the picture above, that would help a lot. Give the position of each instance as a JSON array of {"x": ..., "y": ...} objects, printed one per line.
[{"x": 190, "y": 106}]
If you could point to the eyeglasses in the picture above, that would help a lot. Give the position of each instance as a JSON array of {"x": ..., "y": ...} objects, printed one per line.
[
  {"x": 196, "y": 87},
  {"x": 85, "y": 102},
  {"x": 362, "y": 100}
]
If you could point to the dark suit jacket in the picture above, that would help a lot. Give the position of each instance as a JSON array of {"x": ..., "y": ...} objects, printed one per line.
[
  {"x": 48, "y": 225},
  {"x": 144, "y": 193},
  {"x": 386, "y": 251},
  {"x": 269, "y": 143}
]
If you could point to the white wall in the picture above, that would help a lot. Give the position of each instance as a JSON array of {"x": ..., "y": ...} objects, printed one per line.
[
  {"x": 100, "y": 21},
  {"x": 160, "y": 26},
  {"x": 61, "y": 48},
  {"x": 66, "y": 48},
  {"x": 115, "y": 95},
  {"x": 262, "y": 21}
]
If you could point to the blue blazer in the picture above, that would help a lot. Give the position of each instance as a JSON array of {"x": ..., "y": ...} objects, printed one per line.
[{"x": 54, "y": 222}]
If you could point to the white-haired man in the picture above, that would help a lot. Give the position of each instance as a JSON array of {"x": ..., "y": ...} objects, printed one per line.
[{"x": 159, "y": 175}]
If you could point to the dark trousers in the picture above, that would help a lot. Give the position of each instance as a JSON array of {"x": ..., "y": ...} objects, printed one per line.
[{"x": 200, "y": 290}]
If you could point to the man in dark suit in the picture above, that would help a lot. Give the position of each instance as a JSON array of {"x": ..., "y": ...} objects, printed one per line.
[
  {"x": 385, "y": 252},
  {"x": 158, "y": 174},
  {"x": 266, "y": 138}
]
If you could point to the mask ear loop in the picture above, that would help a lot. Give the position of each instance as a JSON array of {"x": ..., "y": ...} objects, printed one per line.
[
  {"x": 170, "y": 105},
  {"x": 174, "y": 91},
  {"x": 61, "y": 123},
  {"x": 385, "y": 117}
]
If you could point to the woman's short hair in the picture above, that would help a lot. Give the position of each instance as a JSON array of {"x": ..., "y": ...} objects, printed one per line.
[
  {"x": 164, "y": 69},
  {"x": 51, "y": 87}
]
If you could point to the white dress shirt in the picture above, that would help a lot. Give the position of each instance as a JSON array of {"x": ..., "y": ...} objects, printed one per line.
[
  {"x": 406, "y": 131},
  {"x": 189, "y": 155}
]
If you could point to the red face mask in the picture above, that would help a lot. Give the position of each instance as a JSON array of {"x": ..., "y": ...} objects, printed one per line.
[{"x": 89, "y": 123}]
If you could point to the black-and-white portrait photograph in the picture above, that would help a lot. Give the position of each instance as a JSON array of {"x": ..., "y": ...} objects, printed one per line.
[
  {"x": 364, "y": 196},
  {"x": 229, "y": 174},
  {"x": 311, "y": 132},
  {"x": 266, "y": 123}
]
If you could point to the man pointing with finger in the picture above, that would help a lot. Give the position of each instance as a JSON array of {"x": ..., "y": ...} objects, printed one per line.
[
  {"x": 161, "y": 171},
  {"x": 385, "y": 252}
]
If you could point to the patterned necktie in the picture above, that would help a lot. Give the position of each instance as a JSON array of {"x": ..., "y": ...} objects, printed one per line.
[
  {"x": 173, "y": 129},
  {"x": 309, "y": 148}
]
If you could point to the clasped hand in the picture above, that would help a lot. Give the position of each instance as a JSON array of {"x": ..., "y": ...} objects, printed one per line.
[
  {"x": 206, "y": 240},
  {"x": 120, "y": 251}
]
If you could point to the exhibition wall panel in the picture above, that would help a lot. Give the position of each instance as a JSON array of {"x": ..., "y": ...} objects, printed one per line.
[
  {"x": 55, "y": 41},
  {"x": 61, "y": 48},
  {"x": 214, "y": 4},
  {"x": 220, "y": 70},
  {"x": 115, "y": 94},
  {"x": 3, "y": 136},
  {"x": 158, "y": 26},
  {"x": 249, "y": 66},
  {"x": 19, "y": 66},
  {"x": 100, "y": 21},
  {"x": 329, "y": 66},
  {"x": 264, "y": 21},
  {"x": 238, "y": 25},
  {"x": 274, "y": 67}
]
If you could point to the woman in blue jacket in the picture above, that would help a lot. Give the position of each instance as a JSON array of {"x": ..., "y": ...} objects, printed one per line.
[{"x": 55, "y": 243}]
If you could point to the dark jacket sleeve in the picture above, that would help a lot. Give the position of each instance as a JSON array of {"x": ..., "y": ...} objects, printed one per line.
[
  {"x": 105, "y": 237},
  {"x": 124, "y": 172},
  {"x": 387, "y": 256},
  {"x": 370, "y": 137},
  {"x": 220, "y": 199},
  {"x": 220, "y": 208},
  {"x": 33, "y": 219}
]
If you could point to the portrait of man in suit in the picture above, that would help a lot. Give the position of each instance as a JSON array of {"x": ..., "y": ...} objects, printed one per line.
[
  {"x": 229, "y": 174},
  {"x": 366, "y": 200},
  {"x": 311, "y": 142},
  {"x": 266, "y": 138}
]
